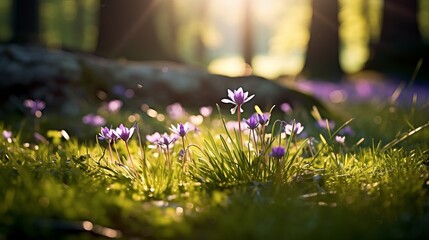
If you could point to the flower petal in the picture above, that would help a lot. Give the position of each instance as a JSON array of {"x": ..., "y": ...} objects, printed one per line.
[
  {"x": 233, "y": 110},
  {"x": 249, "y": 98},
  {"x": 225, "y": 100},
  {"x": 230, "y": 94},
  {"x": 131, "y": 132}
]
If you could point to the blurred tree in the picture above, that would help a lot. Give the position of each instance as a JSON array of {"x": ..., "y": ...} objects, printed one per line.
[
  {"x": 79, "y": 24},
  {"x": 128, "y": 29},
  {"x": 247, "y": 33},
  {"x": 25, "y": 21},
  {"x": 322, "y": 58},
  {"x": 400, "y": 47},
  {"x": 200, "y": 51}
]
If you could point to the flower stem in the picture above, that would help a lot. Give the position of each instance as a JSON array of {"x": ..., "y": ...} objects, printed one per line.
[
  {"x": 239, "y": 126},
  {"x": 142, "y": 152},
  {"x": 111, "y": 153},
  {"x": 255, "y": 141},
  {"x": 278, "y": 171},
  {"x": 296, "y": 141},
  {"x": 131, "y": 159},
  {"x": 167, "y": 156},
  {"x": 117, "y": 153},
  {"x": 184, "y": 154},
  {"x": 262, "y": 137}
]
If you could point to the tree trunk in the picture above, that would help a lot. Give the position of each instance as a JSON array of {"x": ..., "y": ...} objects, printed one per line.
[
  {"x": 127, "y": 29},
  {"x": 400, "y": 47},
  {"x": 322, "y": 59},
  {"x": 79, "y": 25},
  {"x": 247, "y": 33},
  {"x": 25, "y": 21},
  {"x": 200, "y": 48}
]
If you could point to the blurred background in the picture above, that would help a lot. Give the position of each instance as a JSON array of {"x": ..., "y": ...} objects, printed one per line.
[{"x": 318, "y": 39}]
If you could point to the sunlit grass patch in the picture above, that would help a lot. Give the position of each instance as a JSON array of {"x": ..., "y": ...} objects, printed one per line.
[{"x": 218, "y": 175}]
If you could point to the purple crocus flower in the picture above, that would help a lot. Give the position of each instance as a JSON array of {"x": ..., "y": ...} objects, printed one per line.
[
  {"x": 252, "y": 122},
  {"x": 263, "y": 118},
  {"x": 167, "y": 141},
  {"x": 238, "y": 98},
  {"x": 40, "y": 138},
  {"x": 114, "y": 106},
  {"x": 206, "y": 111},
  {"x": 286, "y": 108},
  {"x": 324, "y": 123},
  {"x": 347, "y": 130},
  {"x": 297, "y": 128},
  {"x": 118, "y": 90},
  {"x": 107, "y": 134},
  {"x": 277, "y": 152},
  {"x": 181, "y": 129},
  {"x": 93, "y": 120},
  {"x": 7, "y": 134},
  {"x": 340, "y": 139},
  {"x": 154, "y": 138},
  {"x": 35, "y": 105},
  {"x": 230, "y": 125},
  {"x": 175, "y": 111},
  {"x": 123, "y": 132}
]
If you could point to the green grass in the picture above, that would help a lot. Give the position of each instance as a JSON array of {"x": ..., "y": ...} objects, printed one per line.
[{"x": 375, "y": 186}]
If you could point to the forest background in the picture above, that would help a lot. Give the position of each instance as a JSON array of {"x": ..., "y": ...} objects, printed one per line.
[{"x": 270, "y": 38}]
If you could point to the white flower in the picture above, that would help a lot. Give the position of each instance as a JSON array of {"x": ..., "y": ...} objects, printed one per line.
[
  {"x": 340, "y": 139},
  {"x": 297, "y": 128}
]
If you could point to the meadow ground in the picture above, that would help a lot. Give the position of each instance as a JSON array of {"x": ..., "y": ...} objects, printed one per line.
[{"x": 177, "y": 174}]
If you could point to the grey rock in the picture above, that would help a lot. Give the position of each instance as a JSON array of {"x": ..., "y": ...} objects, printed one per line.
[{"x": 62, "y": 78}]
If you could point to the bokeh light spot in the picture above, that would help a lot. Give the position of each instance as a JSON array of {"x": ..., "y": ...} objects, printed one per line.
[{"x": 338, "y": 96}]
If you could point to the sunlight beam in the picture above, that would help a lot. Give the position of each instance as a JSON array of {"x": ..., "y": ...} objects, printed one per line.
[{"x": 135, "y": 27}]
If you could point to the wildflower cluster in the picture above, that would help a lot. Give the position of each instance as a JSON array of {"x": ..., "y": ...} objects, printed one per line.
[
  {"x": 112, "y": 135},
  {"x": 36, "y": 106},
  {"x": 251, "y": 152}
]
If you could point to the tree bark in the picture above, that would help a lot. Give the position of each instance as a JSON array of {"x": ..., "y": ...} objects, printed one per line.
[
  {"x": 247, "y": 34},
  {"x": 79, "y": 24},
  {"x": 400, "y": 47},
  {"x": 25, "y": 21},
  {"x": 322, "y": 58},
  {"x": 200, "y": 48}
]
